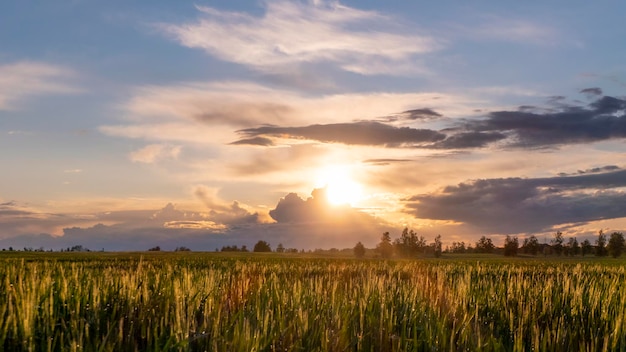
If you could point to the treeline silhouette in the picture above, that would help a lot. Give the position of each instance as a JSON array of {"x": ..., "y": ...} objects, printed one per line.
[{"x": 409, "y": 245}]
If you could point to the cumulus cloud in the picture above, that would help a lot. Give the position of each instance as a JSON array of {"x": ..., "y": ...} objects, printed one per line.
[
  {"x": 297, "y": 33},
  {"x": 23, "y": 79},
  {"x": 155, "y": 152},
  {"x": 516, "y": 205}
]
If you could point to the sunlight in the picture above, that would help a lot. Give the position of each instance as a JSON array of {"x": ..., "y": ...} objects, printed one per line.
[{"x": 341, "y": 188}]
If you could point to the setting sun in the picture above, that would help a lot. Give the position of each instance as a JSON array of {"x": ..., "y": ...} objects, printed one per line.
[{"x": 341, "y": 188}]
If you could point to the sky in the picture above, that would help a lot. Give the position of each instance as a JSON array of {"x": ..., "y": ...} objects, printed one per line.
[{"x": 315, "y": 124}]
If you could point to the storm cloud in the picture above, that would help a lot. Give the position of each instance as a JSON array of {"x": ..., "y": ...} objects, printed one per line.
[{"x": 515, "y": 205}]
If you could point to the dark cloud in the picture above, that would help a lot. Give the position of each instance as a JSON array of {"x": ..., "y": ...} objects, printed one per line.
[
  {"x": 515, "y": 205},
  {"x": 592, "y": 91},
  {"x": 603, "y": 119},
  {"x": 357, "y": 133},
  {"x": 262, "y": 141},
  {"x": 420, "y": 114},
  {"x": 592, "y": 170},
  {"x": 465, "y": 140}
]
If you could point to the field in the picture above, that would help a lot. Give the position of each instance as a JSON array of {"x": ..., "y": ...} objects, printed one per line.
[{"x": 247, "y": 302}]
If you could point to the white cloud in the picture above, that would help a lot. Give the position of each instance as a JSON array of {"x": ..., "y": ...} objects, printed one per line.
[
  {"x": 294, "y": 33},
  {"x": 22, "y": 79},
  {"x": 154, "y": 152}
]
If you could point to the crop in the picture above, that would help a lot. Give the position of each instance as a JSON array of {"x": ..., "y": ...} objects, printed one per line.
[{"x": 262, "y": 303}]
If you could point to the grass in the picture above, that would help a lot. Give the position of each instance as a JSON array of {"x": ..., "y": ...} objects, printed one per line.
[{"x": 248, "y": 302}]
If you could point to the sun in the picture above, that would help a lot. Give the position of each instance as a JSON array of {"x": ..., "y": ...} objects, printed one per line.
[{"x": 341, "y": 188}]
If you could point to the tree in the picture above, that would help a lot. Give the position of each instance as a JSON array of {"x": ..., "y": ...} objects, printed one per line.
[
  {"x": 154, "y": 249},
  {"x": 437, "y": 246},
  {"x": 359, "y": 250},
  {"x": 557, "y": 243},
  {"x": 616, "y": 244},
  {"x": 572, "y": 248},
  {"x": 182, "y": 249},
  {"x": 384, "y": 248},
  {"x": 510, "y": 246},
  {"x": 531, "y": 245},
  {"x": 262, "y": 246},
  {"x": 601, "y": 244},
  {"x": 586, "y": 247},
  {"x": 280, "y": 248},
  {"x": 484, "y": 245}
]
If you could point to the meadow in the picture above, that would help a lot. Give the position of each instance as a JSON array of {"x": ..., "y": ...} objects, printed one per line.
[{"x": 253, "y": 302}]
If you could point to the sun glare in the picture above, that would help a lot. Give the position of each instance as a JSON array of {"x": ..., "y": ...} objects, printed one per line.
[{"x": 341, "y": 189}]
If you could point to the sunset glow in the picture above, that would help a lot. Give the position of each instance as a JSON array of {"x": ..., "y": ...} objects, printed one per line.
[{"x": 129, "y": 125}]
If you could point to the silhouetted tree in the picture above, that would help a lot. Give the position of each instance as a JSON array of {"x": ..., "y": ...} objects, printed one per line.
[
  {"x": 359, "y": 250},
  {"x": 485, "y": 245},
  {"x": 262, "y": 246},
  {"x": 557, "y": 243},
  {"x": 531, "y": 245},
  {"x": 616, "y": 244},
  {"x": 280, "y": 248},
  {"x": 586, "y": 247},
  {"x": 458, "y": 247},
  {"x": 510, "y": 246},
  {"x": 384, "y": 248},
  {"x": 182, "y": 249},
  {"x": 437, "y": 246},
  {"x": 601, "y": 244},
  {"x": 155, "y": 249},
  {"x": 572, "y": 248}
]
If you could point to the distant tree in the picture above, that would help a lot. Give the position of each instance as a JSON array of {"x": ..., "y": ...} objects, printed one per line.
[
  {"x": 573, "y": 246},
  {"x": 155, "y": 249},
  {"x": 510, "y": 246},
  {"x": 616, "y": 244},
  {"x": 601, "y": 244},
  {"x": 531, "y": 245},
  {"x": 262, "y": 246},
  {"x": 244, "y": 248},
  {"x": 458, "y": 247},
  {"x": 384, "y": 248},
  {"x": 484, "y": 245},
  {"x": 437, "y": 246},
  {"x": 280, "y": 248},
  {"x": 586, "y": 247},
  {"x": 557, "y": 243},
  {"x": 359, "y": 250},
  {"x": 182, "y": 249}
]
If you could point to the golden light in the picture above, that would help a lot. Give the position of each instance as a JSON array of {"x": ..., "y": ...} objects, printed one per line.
[{"x": 341, "y": 188}]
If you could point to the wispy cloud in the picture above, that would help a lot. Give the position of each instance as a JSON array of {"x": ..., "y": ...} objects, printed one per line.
[
  {"x": 23, "y": 79},
  {"x": 295, "y": 33},
  {"x": 510, "y": 29},
  {"x": 154, "y": 152}
]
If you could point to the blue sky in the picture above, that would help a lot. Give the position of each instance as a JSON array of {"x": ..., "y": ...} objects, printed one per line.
[{"x": 212, "y": 122}]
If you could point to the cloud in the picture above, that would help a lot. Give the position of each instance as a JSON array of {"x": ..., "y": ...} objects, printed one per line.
[
  {"x": 224, "y": 224},
  {"x": 508, "y": 29},
  {"x": 356, "y": 133},
  {"x": 23, "y": 79},
  {"x": 518, "y": 205},
  {"x": 592, "y": 92},
  {"x": 155, "y": 152},
  {"x": 602, "y": 119},
  {"x": 261, "y": 141},
  {"x": 299, "y": 33}
]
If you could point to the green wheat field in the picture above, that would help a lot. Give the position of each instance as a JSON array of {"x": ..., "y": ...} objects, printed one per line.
[{"x": 253, "y": 302}]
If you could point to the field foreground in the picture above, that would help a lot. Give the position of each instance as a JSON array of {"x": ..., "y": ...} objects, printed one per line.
[{"x": 197, "y": 302}]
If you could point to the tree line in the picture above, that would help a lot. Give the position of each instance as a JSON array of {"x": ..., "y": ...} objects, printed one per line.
[{"x": 409, "y": 244}]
